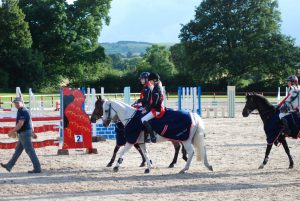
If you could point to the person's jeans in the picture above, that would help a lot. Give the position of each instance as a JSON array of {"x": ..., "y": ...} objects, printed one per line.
[{"x": 25, "y": 143}]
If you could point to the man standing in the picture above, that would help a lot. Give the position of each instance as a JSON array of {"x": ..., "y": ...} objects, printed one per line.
[{"x": 25, "y": 132}]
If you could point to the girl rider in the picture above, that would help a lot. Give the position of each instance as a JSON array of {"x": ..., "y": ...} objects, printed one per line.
[
  {"x": 156, "y": 107},
  {"x": 293, "y": 86}
]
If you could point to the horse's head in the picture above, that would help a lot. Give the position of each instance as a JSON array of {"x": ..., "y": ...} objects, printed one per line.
[
  {"x": 109, "y": 113},
  {"x": 250, "y": 105},
  {"x": 98, "y": 111},
  {"x": 257, "y": 102}
]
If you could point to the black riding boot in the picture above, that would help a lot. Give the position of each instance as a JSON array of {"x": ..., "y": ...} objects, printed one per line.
[
  {"x": 286, "y": 128},
  {"x": 149, "y": 130},
  {"x": 147, "y": 137}
]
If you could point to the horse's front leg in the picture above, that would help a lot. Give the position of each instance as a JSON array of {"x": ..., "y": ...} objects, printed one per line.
[
  {"x": 137, "y": 146},
  {"x": 113, "y": 158},
  {"x": 177, "y": 148},
  {"x": 266, "y": 159},
  {"x": 287, "y": 151},
  {"x": 146, "y": 154},
  {"x": 123, "y": 152}
]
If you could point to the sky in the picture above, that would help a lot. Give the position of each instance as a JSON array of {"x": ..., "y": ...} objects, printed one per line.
[{"x": 159, "y": 21}]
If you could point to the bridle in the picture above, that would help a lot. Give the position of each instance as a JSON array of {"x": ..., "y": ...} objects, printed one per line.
[
  {"x": 109, "y": 118},
  {"x": 110, "y": 108},
  {"x": 250, "y": 111}
]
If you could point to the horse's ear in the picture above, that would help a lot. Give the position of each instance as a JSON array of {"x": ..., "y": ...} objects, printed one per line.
[{"x": 247, "y": 95}]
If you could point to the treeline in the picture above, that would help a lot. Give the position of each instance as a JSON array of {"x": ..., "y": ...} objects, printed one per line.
[{"x": 46, "y": 43}]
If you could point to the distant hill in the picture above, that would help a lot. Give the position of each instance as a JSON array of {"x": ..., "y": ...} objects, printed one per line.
[{"x": 129, "y": 47}]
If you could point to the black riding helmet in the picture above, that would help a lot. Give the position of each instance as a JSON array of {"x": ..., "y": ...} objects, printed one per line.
[
  {"x": 153, "y": 76},
  {"x": 292, "y": 78},
  {"x": 144, "y": 75}
]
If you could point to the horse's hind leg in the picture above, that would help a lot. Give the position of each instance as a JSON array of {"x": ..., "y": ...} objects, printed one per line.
[
  {"x": 137, "y": 146},
  {"x": 112, "y": 160},
  {"x": 266, "y": 159},
  {"x": 190, "y": 151},
  {"x": 177, "y": 148},
  {"x": 287, "y": 151},
  {"x": 184, "y": 154},
  {"x": 123, "y": 152}
]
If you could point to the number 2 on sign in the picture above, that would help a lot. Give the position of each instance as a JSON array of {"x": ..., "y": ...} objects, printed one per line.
[{"x": 78, "y": 138}]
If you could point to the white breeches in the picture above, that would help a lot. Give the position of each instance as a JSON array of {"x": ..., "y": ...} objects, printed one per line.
[
  {"x": 281, "y": 115},
  {"x": 149, "y": 116}
]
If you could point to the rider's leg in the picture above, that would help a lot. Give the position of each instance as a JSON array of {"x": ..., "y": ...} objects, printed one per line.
[
  {"x": 286, "y": 128},
  {"x": 147, "y": 125}
]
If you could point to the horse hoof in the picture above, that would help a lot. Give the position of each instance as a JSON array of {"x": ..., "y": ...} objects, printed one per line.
[
  {"x": 116, "y": 169},
  {"x": 185, "y": 158},
  {"x": 147, "y": 171},
  {"x": 210, "y": 168},
  {"x": 109, "y": 165},
  {"x": 291, "y": 167},
  {"x": 171, "y": 165},
  {"x": 142, "y": 164},
  {"x": 261, "y": 167}
]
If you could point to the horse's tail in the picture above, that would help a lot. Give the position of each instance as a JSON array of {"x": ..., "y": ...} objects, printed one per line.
[{"x": 198, "y": 140}]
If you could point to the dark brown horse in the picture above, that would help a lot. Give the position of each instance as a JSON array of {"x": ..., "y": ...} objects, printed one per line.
[
  {"x": 98, "y": 113},
  {"x": 268, "y": 114}
]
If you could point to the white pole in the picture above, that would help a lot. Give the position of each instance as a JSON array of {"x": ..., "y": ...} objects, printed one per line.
[
  {"x": 88, "y": 99},
  {"x": 165, "y": 97},
  {"x": 127, "y": 95},
  {"x": 102, "y": 92},
  {"x": 93, "y": 99},
  {"x": 191, "y": 99},
  {"x": 195, "y": 99},
  {"x": 188, "y": 98},
  {"x": 183, "y": 99},
  {"x": 278, "y": 95},
  {"x": 231, "y": 101}
]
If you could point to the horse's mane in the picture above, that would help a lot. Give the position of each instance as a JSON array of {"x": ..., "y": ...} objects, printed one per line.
[
  {"x": 263, "y": 99},
  {"x": 121, "y": 102}
]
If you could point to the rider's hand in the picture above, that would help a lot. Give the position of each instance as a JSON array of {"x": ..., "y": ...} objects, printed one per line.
[
  {"x": 33, "y": 135},
  {"x": 144, "y": 111}
]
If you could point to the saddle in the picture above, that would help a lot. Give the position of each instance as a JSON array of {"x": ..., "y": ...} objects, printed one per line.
[
  {"x": 174, "y": 125},
  {"x": 274, "y": 128},
  {"x": 293, "y": 120}
]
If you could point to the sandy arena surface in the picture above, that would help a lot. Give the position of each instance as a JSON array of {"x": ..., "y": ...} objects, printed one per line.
[{"x": 235, "y": 149}]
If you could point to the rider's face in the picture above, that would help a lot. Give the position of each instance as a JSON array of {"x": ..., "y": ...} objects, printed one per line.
[
  {"x": 289, "y": 83},
  {"x": 143, "y": 81}
]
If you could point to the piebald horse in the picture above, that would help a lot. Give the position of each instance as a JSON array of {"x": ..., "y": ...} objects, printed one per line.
[{"x": 119, "y": 111}]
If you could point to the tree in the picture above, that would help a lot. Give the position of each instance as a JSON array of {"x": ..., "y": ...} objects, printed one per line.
[
  {"x": 235, "y": 40},
  {"x": 14, "y": 31},
  {"x": 67, "y": 36},
  {"x": 20, "y": 66},
  {"x": 178, "y": 56},
  {"x": 159, "y": 58}
]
